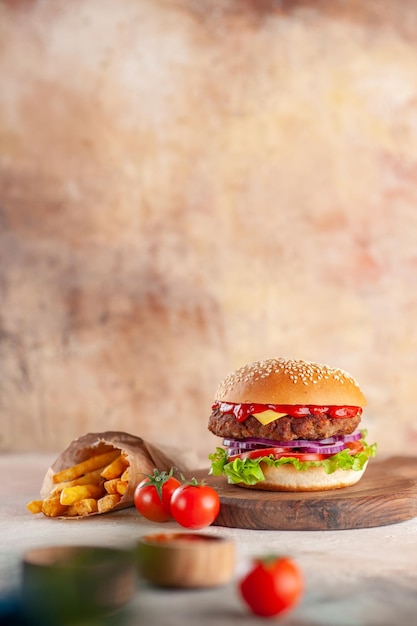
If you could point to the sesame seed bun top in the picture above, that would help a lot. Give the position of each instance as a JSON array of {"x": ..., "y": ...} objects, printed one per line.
[{"x": 289, "y": 381}]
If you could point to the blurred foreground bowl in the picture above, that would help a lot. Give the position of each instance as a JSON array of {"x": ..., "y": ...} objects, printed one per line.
[
  {"x": 186, "y": 559},
  {"x": 72, "y": 584}
]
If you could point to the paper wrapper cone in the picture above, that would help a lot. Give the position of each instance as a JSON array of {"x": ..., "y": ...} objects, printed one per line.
[{"x": 143, "y": 458}]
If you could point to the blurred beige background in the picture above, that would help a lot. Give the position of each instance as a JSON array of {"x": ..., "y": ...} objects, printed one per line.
[{"x": 189, "y": 185}]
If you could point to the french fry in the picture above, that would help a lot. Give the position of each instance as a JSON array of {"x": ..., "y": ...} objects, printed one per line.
[
  {"x": 52, "y": 507},
  {"x": 126, "y": 474},
  {"x": 91, "y": 478},
  {"x": 35, "y": 506},
  {"x": 83, "y": 507},
  {"x": 89, "y": 465},
  {"x": 122, "y": 487},
  {"x": 111, "y": 485},
  {"x": 70, "y": 495},
  {"x": 115, "y": 468},
  {"x": 107, "y": 502}
]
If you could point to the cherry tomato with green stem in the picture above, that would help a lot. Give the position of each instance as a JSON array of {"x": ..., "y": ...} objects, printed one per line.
[
  {"x": 153, "y": 495},
  {"x": 195, "y": 505}
]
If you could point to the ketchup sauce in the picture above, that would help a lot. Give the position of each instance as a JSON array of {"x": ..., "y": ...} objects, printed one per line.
[{"x": 242, "y": 411}]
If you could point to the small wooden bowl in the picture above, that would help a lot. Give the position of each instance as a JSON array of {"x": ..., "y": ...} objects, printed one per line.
[
  {"x": 186, "y": 559},
  {"x": 73, "y": 582}
]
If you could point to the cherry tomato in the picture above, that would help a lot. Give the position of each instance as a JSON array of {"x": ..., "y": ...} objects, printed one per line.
[
  {"x": 272, "y": 586},
  {"x": 152, "y": 496},
  {"x": 195, "y": 505},
  {"x": 279, "y": 453}
]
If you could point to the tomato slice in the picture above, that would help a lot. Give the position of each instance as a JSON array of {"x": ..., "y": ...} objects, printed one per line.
[
  {"x": 279, "y": 453},
  {"x": 354, "y": 447},
  {"x": 306, "y": 456},
  {"x": 255, "y": 454}
]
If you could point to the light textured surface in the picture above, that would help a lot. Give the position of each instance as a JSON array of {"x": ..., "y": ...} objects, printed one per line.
[
  {"x": 189, "y": 186},
  {"x": 364, "y": 577}
]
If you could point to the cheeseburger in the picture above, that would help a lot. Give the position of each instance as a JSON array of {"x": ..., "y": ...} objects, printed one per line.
[{"x": 289, "y": 425}]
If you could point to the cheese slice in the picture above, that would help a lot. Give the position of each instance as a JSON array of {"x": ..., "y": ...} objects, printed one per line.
[{"x": 268, "y": 416}]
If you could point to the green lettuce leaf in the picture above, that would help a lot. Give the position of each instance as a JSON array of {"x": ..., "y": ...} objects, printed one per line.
[{"x": 249, "y": 472}]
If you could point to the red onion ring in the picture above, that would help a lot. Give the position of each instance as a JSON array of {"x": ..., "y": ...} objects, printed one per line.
[{"x": 330, "y": 445}]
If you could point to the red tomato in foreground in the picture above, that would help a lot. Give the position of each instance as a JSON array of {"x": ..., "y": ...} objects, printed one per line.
[
  {"x": 195, "y": 505},
  {"x": 153, "y": 495},
  {"x": 273, "y": 585}
]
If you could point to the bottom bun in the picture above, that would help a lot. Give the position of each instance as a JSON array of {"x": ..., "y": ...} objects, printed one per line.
[{"x": 287, "y": 478}]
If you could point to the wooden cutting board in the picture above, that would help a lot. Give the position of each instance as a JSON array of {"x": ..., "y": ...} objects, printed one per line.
[{"x": 387, "y": 494}]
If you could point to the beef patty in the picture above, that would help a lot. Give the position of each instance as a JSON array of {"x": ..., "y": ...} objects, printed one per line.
[{"x": 282, "y": 429}]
